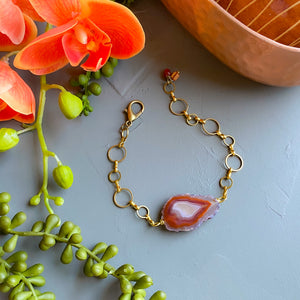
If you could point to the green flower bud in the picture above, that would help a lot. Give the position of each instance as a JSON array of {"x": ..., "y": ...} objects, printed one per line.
[
  {"x": 18, "y": 219},
  {"x": 88, "y": 267},
  {"x": 83, "y": 79},
  {"x": 23, "y": 295},
  {"x": 66, "y": 228},
  {"x": 103, "y": 275},
  {"x": 70, "y": 105},
  {"x": 125, "y": 297},
  {"x": 125, "y": 285},
  {"x": 67, "y": 255},
  {"x": 4, "y": 288},
  {"x": 46, "y": 296},
  {"x": 159, "y": 295},
  {"x": 136, "y": 276},
  {"x": 35, "y": 200},
  {"x": 8, "y": 139},
  {"x": 3, "y": 273},
  {"x": 19, "y": 266},
  {"x": 37, "y": 280},
  {"x": 107, "y": 70},
  {"x": 4, "y": 223},
  {"x": 113, "y": 61},
  {"x": 97, "y": 74},
  {"x": 4, "y": 209},
  {"x": 13, "y": 280},
  {"x": 63, "y": 176},
  {"x": 5, "y": 197},
  {"x": 97, "y": 269},
  {"x": 143, "y": 283},
  {"x": 17, "y": 256},
  {"x": 43, "y": 246},
  {"x": 38, "y": 226},
  {"x": 19, "y": 288},
  {"x": 95, "y": 88},
  {"x": 81, "y": 254},
  {"x": 76, "y": 229},
  {"x": 48, "y": 241},
  {"x": 10, "y": 245},
  {"x": 51, "y": 222},
  {"x": 59, "y": 201},
  {"x": 138, "y": 297},
  {"x": 125, "y": 270},
  {"x": 75, "y": 238},
  {"x": 110, "y": 252},
  {"x": 34, "y": 270}
]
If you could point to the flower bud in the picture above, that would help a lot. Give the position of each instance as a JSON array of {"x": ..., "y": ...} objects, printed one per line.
[
  {"x": 63, "y": 176},
  {"x": 159, "y": 295},
  {"x": 8, "y": 139},
  {"x": 70, "y": 105},
  {"x": 67, "y": 255}
]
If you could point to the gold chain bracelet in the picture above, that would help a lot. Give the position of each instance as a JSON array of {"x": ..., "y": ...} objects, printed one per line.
[{"x": 182, "y": 212}]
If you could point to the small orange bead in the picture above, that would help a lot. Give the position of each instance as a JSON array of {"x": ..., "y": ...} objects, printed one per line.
[{"x": 175, "y": 75}]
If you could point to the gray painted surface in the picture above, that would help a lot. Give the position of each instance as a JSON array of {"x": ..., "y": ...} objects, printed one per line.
[{"x": 249, "y": 251}]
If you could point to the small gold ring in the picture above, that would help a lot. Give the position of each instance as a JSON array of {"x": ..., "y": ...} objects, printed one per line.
[
  {"x": 223, "y": 185},
  {"x": 146, "y": 213},
  {"x": 183, "y": 111},
  {"x": 167, "y": 85},
  {"x": 111, "y": 173},
  {"x": 238, "y": 157},
  {"x": 118, "y": 192},
  {"x": 211, "y": 132},
  {"x": 119, "y": 147}
]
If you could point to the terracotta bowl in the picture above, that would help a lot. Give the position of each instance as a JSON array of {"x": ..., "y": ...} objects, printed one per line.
[{"x": 259, "y": 39}]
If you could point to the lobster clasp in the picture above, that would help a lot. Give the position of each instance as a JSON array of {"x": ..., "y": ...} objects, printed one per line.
[{"x": 131, "y": 116}]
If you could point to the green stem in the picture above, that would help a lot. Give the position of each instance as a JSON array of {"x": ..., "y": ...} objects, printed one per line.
[
  {"x": 54, "y": 86},
  {"x": 61, "y": 240},
  {"x": 8, "y": 55},
  {"x": 39, "y": 129},
  {"x": 29, "y": 128}
]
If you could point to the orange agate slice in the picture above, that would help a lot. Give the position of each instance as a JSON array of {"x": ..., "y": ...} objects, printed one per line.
[{"x": 187, "y": 212}]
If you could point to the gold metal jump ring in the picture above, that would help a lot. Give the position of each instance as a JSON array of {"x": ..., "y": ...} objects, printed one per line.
[{"x": 118, "y": 192}]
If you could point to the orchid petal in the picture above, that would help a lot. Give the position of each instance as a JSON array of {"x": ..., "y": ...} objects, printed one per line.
[
  {"x": 27, "y": 9},
  {"x": 57, "y": 12},
  {"x": 120, "y": 24},
  {"x": 12, "y": 21},
  {"x": 7, "y": 78},
  {"x": 18, "y": 98},
  {"x": 30, "y": 34},
  {"x": 6, "y": 113},
  {"x": 74, "y": 50},
  {"x": 45, "y": 54}
]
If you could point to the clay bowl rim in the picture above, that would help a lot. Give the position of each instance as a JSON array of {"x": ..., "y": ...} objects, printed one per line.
[{"x": 251, "y": 31}]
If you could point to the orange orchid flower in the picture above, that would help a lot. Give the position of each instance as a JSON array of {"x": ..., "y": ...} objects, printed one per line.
[
  {"x": 91, "y": 29},
  {"x": 16, "y": 28},
  {"x": 16, "y": 98}
]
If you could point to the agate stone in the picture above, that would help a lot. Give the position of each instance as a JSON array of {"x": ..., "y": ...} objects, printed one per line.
[{"x": 187, "y": 212}]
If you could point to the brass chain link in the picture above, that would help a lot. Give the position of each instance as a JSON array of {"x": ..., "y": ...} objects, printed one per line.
[
  {"x": 226, "y": 181},
  {"x": 114, "y": 176}
]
